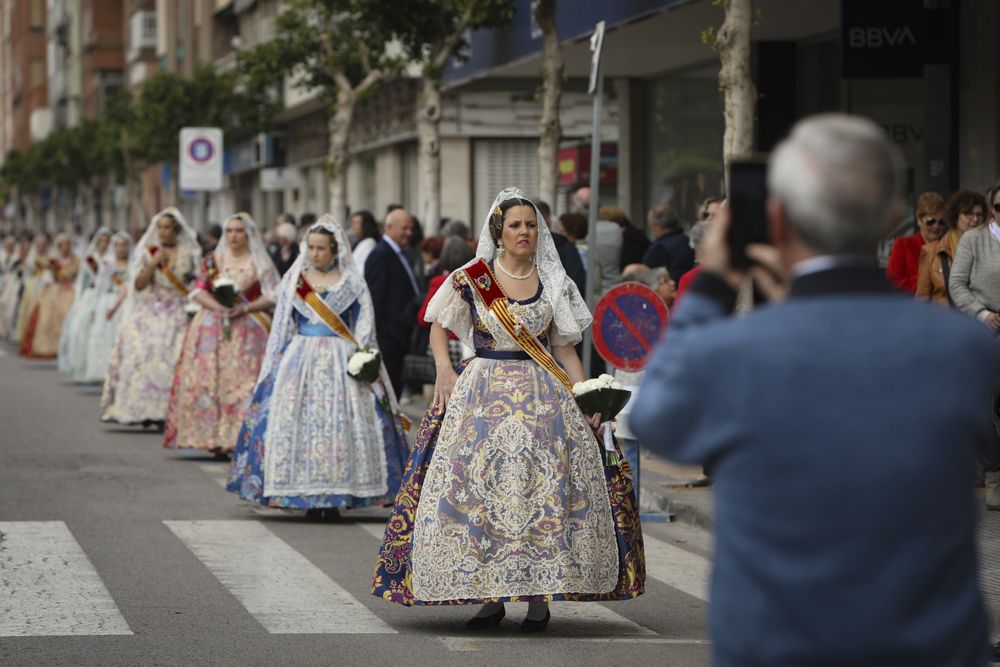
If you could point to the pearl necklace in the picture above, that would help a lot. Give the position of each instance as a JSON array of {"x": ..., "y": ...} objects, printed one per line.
[{"x": 511, "y": 275}]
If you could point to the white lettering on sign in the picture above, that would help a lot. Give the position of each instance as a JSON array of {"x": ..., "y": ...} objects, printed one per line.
[{"x": 876, "y": 38}]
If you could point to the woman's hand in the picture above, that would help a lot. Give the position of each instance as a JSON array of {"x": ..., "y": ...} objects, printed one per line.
[
  {"x": 111, "y": 312},
  {"x": 239, "y": 310},
  {"x": 993, "y": 321},
  {"x": 443, "y": 385},
  {"x": 595, "y": 421}
]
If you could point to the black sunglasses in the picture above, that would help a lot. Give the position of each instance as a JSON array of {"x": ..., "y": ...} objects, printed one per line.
[
  {"x": 934, "y": 221},
  {"x": 996, "y": 207}
]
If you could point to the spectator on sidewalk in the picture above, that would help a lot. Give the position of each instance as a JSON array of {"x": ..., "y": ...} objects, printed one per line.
[
  {"x": 845, "y": 522},
  {"x": 904, "y": 258},
  {"x": 365, "y": 230},
  {"x": 634, "y": 240},
  {"x": 574, "y": 228},
  {"x": 285, "y": 249},
  {"x": 974, "y": 284},
  {"x": 606, "y": 244},
  {"x": 672, "y": 247},
  {"x": 394, "y": 286},
  {"x": 965, "y": 209},
  {"x": 697, "y": 235}
]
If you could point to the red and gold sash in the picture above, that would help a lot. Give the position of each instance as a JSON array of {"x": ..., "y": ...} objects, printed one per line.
[
  {"x": 485, "y": 283},
  {"x": 248, "y": 296},
  {"x": 164, "y": 268},
  {"x": 332, "y": 320}
]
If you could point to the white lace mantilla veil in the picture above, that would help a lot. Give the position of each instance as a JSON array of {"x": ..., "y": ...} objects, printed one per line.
[
  {"x": 186, "y": 239},
  {"x": 267, "y": 273},
  {"x": 352, "y": 280},
  {"x": 89, "y": 252},
  {"x": 570, "y": 315},
  {"x": 106, "y": 273}
]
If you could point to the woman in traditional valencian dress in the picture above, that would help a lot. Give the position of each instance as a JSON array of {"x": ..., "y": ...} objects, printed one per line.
[
  {"x": 223, "y": 347},
  {"x": 41, "y": 337},
  {"x": 112, "y": 288},
  {"x": 507, "y": 496},
  {"x": 10, "y": 265},
  {"x": 76, "y": 328},
  {"x": 316, "y": 438},
  {"x": 34, "y": 272},
  {"x": 137, "y": 387}
]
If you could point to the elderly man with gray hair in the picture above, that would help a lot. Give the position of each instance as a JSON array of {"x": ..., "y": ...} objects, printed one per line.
[{"x": 844, "y": 514}]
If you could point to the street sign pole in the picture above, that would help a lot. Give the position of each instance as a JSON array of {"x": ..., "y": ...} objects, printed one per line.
[{"x": 596, "y": 89}]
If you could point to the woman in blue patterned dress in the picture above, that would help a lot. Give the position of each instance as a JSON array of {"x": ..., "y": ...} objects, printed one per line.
[
  {"x": 507, "y": 496},
  {"x": 308, "y": 440}
]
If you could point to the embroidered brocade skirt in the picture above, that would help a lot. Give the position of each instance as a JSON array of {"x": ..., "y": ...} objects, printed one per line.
[
  {"x": 213, "y": 382},
  {"x": 141, "y": 370},
  {"x": 506, "y": 498},
  {"x": 41, "y": 336},
  {"x": 325, "y": 430}
]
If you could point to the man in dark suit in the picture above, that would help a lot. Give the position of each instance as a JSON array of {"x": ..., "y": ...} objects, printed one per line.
[
  {"x": 671, "y": 247},
  {"x": 842, "y": 442},
  {"x": 392, "y": 281}
]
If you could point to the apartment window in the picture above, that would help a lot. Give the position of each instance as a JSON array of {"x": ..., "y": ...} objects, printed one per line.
[
  {"x": 37, "y": 14},
  {"x": 36, "y": 75}
]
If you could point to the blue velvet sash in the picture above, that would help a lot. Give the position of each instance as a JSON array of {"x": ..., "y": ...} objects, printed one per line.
[{"x": 502, "y": 355}]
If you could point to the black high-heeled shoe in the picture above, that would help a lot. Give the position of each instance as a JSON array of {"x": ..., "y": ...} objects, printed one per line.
[
  {"x": 486, "y": 622},
  {"x": 530, "y": 626}
]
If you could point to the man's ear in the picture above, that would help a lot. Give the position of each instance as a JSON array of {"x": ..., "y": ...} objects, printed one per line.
[{"x": 777, "y": 223}]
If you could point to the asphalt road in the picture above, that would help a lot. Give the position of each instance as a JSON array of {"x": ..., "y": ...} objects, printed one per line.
[{"x": 114, "y": 551}]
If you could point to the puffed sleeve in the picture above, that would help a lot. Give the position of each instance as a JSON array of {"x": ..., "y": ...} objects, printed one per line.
[
  {"x": 452, "y": 306},
  {"x": 570, "y": 316}
]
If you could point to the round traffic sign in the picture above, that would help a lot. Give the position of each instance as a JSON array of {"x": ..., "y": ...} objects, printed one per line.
[
  {"x": 201, "y": 149},
  {"x": 628, "y": 322}
]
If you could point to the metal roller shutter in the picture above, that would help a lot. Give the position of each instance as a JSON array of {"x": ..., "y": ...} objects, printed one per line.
[{"x": 497, "y": 164}]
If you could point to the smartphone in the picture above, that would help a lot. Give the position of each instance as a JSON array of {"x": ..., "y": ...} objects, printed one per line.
[{"x": 747, "y": 199}]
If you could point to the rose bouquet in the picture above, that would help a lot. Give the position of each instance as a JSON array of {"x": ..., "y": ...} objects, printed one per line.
[
  {"x": 606, "y": 396},
  {"x": 224, "y": 291},
  {"x": 364, "y": 365}
]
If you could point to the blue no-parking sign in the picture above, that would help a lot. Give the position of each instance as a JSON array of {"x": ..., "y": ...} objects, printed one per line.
[
  {"x": 628, "y": 322},
  {"x": 200, "y": 158}
]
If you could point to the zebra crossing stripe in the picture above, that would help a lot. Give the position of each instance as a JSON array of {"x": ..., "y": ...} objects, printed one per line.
[
  {"x": 218, "y": 472},
  {"x": 49, "y": 587},
  {"x": 276, "y": 584},
  {"x": 686, "y": 571}
]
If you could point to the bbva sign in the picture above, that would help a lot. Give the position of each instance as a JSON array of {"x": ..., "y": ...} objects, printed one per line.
[{"x": 877, "y": 38}]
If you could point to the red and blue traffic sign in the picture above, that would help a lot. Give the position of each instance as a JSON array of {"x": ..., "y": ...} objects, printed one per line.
[
  {"x": 628, "y": 322},
  {"x": 201, "y": 150}
]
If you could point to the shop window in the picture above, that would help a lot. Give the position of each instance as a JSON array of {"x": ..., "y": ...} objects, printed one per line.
[{"x": 684, "y": 127}]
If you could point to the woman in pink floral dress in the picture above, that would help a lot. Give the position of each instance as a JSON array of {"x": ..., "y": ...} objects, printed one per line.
[{"x": 224, "y": 346}]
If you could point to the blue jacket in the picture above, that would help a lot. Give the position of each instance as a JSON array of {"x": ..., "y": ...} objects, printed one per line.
[{"x": 840, "y": 428}]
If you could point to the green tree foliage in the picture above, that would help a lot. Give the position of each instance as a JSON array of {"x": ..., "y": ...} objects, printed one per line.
[{"x": 335, "y": 48}]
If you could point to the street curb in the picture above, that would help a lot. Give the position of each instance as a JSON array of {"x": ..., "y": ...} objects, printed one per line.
[{"x": 655, "y": 499}]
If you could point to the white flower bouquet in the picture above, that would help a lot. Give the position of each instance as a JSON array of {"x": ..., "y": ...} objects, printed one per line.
[
  {"x": 224, "y": 291},
  {"x": 364, "y": 365},
  {"x": 606, "y": 396},
  {"x": 603, "y": 394}
]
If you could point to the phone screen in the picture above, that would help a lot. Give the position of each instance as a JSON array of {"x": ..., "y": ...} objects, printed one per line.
[{"x": 747, "y": 198}]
